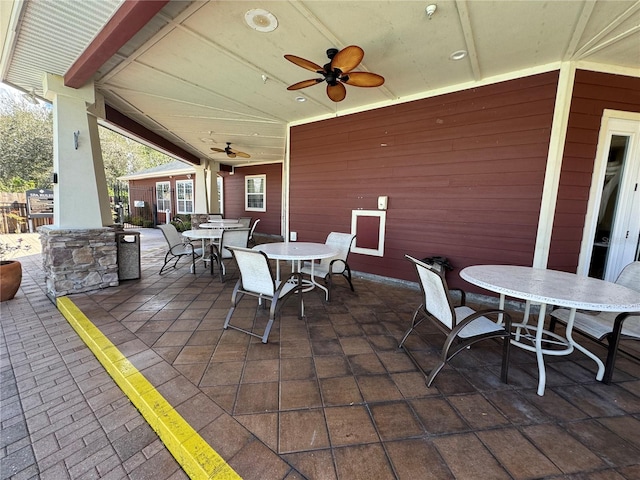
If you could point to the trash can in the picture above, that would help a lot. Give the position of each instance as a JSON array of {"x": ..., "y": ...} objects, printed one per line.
[
  {"x": 128, "y": 255},
  {"x": 442, "y": 264}
]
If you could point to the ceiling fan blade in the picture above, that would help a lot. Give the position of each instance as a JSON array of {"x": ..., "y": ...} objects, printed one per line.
[
  {"x": 347, "y": 59},
  {"x": 221, "y": 150},
  {"x": 364, "y": 79},
  {"x": 242, "y": 154},
  {"x": 336, "y": 92},
  {"x": 231, "y": 154},
  {"x": 304, "y": 84},
  {"x": 306, "y": 64}
]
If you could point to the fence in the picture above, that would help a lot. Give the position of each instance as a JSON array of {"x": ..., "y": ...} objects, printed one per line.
[{"x": 13, "y": 218}]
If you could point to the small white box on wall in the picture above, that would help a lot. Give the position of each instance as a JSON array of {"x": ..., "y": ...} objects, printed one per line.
[{"x": 382, "y": 202}]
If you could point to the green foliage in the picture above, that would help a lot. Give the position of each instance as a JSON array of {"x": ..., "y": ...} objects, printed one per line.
[
  {"x": 26, "y": 147},
  {"x": 182, "y": 222},
  {"x": 123, "y": 156}
]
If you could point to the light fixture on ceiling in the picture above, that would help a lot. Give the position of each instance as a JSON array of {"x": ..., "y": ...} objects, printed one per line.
[
  {"x": 431, "y": 9},
  {"x": 261, "y": 20},
  {"x": 301, "y": 99},
  {"x": 31, "y": 97},
  {"x": 458, "y": 55}
]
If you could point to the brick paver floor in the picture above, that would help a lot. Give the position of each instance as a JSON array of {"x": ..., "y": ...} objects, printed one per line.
[
  {"x": 329, "y": 397},
  {"x": 61, "y": 414}
]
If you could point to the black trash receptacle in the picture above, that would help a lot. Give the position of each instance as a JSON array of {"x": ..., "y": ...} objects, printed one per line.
[
  {"x": 441, "y": 263},
  {"x": 128, "y": 255}
]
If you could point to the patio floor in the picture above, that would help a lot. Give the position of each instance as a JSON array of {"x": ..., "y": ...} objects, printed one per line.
[{"x": 329, "y": 397}]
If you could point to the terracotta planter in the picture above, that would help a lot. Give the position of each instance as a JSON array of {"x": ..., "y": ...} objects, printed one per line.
[{"x": 10, "y": 279}]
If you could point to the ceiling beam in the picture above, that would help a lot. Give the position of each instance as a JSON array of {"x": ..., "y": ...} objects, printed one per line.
[
  {"x": 125, "y": 123},
  {"x": 123, "y": 25}
]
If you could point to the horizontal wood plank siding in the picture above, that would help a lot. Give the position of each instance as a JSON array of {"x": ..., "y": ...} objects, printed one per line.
[
  {"x": 234, "y": 196},
  {"x": 593, "y": 92},
  {"x": 463, "y": 172}
]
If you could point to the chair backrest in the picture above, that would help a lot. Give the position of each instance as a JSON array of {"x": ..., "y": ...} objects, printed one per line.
[
  {"x": 237, "y": 237},
  {"x": 342, "y": 243},
  {"x": 245, "y": 221},
  {"x": 435, "y": 292},
  {"x": 171, "y": 234},
  {"x": 253, "y": 228},
  {"x": 630, "y": 276},
  {"x": 215, "y": 216},
  {"x": 255, "y": 271}
]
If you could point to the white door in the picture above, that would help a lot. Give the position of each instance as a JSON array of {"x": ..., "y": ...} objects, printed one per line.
[{"x": 615, "y": 238}]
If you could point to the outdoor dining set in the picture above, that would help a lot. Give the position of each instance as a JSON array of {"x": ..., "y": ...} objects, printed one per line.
[{"x": 598, "y": 309}]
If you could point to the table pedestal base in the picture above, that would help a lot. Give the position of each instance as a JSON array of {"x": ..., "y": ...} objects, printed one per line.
[{"x": 534, "y": 338}]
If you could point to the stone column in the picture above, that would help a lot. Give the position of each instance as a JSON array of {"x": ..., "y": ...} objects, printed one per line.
[
  {"x": 79, "y": 249},
  {"x": 78, "y": 261}
]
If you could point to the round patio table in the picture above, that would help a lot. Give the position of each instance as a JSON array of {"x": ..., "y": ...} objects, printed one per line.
[{"x": 296, "y": 252}]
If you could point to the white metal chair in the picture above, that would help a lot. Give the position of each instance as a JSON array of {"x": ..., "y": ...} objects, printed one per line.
[
  {"x": 178, "y": 248},
  {"x": 245, "y": 221},
  {"x": 337, "y": 265},
  {"x": 215, "y": 216},
  {"x": 257, "y": 280},
  {"x": 237, "y": 237},
  {"x": 253, "y": 229},
  {"x": 462, "y": 325},
  {"x": 611, "y": 326}
]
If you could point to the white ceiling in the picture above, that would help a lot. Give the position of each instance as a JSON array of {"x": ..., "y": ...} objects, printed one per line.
[{"x": 194, "y": 74}]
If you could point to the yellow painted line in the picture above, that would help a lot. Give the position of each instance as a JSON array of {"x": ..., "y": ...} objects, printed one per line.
[{"x": 192, "y": 452}]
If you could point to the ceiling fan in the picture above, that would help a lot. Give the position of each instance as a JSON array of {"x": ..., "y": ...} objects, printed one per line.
[
  {"x": 231, "y": 153},
  {"x": 337, "y": 72}
]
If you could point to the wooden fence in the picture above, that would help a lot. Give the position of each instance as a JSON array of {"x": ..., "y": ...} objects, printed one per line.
[{"x": 13, "y": 218}]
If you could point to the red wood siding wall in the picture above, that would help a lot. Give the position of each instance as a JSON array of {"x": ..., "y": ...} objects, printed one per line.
[
  {"x": 463, "y": 172},
  {"x": 234, "y": 196},
  {"x": 593, "y": 92},
  {"x": 150, "y": 183}
]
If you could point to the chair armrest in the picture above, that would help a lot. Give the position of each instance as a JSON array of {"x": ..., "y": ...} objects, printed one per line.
[
  {"x": 506, "y": 318},
  {"x": 337, "y": 260}
]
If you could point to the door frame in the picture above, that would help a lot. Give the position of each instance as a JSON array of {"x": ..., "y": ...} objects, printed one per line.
[{"x": 597, "y": 182}]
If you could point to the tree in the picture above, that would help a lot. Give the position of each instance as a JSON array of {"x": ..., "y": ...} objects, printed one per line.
[
  {"x": 26, "y": 147},
  {"x": 123, "y": 156}
]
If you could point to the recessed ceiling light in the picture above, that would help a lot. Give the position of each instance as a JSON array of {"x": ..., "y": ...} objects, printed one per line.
[
  {"x": 301, "y": 99},
  {"x": 458, "y": 55},
  {"x": 261, "y": 20}
]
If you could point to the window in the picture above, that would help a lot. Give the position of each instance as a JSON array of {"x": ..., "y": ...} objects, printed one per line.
[
  {"x": 184, "y": 196},
  {"x": 163, "y": 196},
  {"x": 255, "y": 193}
]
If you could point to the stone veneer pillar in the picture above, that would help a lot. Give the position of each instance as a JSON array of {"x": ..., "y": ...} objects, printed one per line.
[
  {"x": 78, "y": 260},
  {"x": 197, "y": 219}
]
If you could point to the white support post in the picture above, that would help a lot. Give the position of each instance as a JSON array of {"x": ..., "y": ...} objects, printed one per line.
[{"x": 80, "y": 195}]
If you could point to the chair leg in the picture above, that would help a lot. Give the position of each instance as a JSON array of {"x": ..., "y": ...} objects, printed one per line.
[
  {"x": 506, "y": 351},
  {"x": 228, "y": 319},
  {"x": 613, "y": 341},
  {"x": 414, "y": 324},
  {"x": 434, "y": 372},
  {"x": 348, "y": 277}
]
